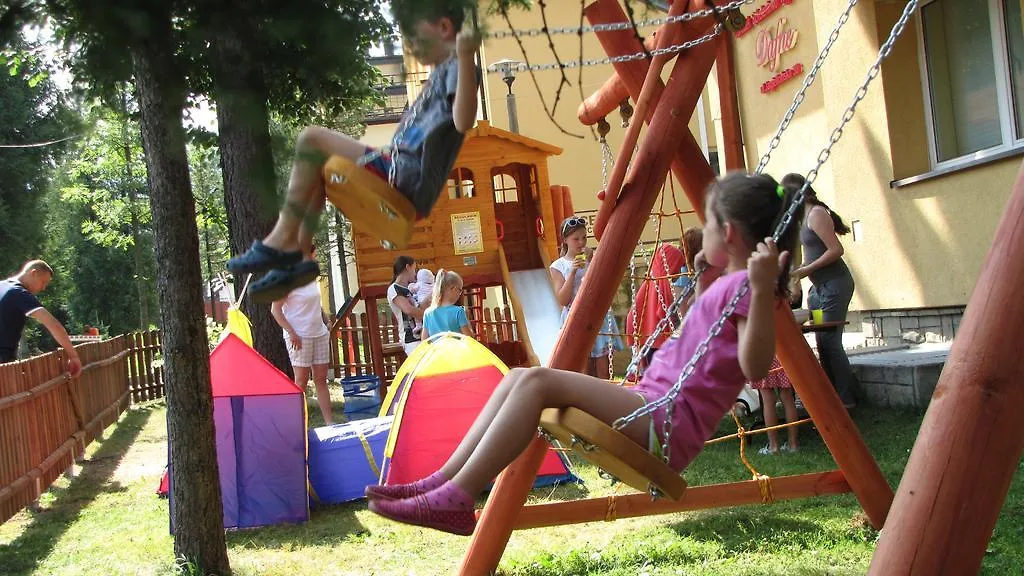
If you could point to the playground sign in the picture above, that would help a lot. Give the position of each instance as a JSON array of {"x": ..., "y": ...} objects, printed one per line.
[{"x": 467, "y": 233}]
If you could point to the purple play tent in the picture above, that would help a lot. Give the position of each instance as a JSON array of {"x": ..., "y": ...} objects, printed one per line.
[{"x": 259, "y": 414}]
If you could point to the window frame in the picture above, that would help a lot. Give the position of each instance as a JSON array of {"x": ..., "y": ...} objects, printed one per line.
[{"x": 1010, "y": 139}]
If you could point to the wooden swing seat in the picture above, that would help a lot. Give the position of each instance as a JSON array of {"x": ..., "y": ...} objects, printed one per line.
[
  {"x": 612, "y": 451},
  {"x": 374, "y": 207}
]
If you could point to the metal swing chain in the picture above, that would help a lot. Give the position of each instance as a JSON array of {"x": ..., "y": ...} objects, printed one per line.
[
  {"x": 798, "y": 99},
  {"x": 614, "y": 26},
  {"x": 802, "y": 93},
  {"x": 730, "y": 308},
  {"x": 618, "y": 59}
]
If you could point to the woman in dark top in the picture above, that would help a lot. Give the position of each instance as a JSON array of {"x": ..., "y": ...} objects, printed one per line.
[{"x": 832, "y": 284}]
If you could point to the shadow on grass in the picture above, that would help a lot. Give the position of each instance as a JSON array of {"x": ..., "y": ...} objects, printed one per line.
[
  {"x": 63, "y": 504},
  {"x": 327, "y": 526},
  {"x": 750, "y": 530}
]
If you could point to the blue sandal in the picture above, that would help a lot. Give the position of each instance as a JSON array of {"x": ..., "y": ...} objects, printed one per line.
[
  {"x": 260, "y": 258},
  {"x": 277, "y": 283}
]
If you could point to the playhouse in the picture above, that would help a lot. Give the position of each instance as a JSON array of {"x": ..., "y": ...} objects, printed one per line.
[{"x": 498, "y": 215}]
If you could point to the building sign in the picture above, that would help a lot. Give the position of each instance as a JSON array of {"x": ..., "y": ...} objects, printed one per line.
[
  {"x": 761, "y": 14},
  {"x": 770, "y": 46},
  {"x": 467, "y": 233},
  {"x": 772, "y": 43}
]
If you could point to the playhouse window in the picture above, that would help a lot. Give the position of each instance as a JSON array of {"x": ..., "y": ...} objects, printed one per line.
[
  {"x": 460, "y": 184},
  {"x": 505, "y": 188}
]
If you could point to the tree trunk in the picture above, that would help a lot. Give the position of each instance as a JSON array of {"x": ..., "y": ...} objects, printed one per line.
[
  {"x": 247, "y": 161},
  {"x": 199, "y": 529}
]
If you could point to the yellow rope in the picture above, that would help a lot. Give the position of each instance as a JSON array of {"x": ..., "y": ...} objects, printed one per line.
[
  {"x": 764, "y": 482},
  {"x": 609, "y": 513},
  {"x": 758, "y": 431}
]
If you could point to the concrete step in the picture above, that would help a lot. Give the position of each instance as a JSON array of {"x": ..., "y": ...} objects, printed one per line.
[{"x": 903, "y": 378}]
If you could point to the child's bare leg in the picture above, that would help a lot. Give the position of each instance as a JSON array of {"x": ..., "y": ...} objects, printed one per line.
[
  {"x": 313, "y": 147},
  {"x": 311, "y": 221},
  {"x": 515, "y": 423},
  {"x": 469, "y": 442},
  {"x": 789, "y": 404},
  {"x": 771, "y": 417}
]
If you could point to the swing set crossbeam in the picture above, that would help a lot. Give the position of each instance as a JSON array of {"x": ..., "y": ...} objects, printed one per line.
[{"x": 638, "y": 504}]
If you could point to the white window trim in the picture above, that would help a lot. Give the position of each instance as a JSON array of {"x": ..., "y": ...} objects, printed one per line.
[{"x": 1000, "y": 46}]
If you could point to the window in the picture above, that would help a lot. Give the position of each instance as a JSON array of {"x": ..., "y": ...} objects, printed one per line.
[
  {"x": 505, "y": 188},
  {"x": 460, "y": 184},
  {"x": 974, "y": 76}
]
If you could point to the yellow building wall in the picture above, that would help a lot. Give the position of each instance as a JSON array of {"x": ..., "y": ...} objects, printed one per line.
[{"x": 921, "y": 245}]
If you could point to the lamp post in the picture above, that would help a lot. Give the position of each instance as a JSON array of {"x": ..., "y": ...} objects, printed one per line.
[{"x": 508, "y": 69}]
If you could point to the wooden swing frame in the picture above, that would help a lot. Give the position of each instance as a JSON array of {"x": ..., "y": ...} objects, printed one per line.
[{"x": 620, "y": 219}]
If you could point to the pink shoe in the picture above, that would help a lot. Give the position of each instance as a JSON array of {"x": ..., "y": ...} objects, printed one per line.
[
  {"x": 393, "y": 491},
  {"x": 401, "y": 491},
  {"x": 457, "y": 519}
]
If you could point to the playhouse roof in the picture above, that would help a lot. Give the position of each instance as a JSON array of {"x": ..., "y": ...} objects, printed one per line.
[
  {"x": 483, "y": 128},
  {"x": 238, "y": 370}
]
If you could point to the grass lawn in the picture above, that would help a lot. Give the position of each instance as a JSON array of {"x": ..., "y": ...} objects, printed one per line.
[{"x": 109, "y": 521}]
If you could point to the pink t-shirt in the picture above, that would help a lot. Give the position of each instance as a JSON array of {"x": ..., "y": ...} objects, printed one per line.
[{"x": 716, "y": 380}]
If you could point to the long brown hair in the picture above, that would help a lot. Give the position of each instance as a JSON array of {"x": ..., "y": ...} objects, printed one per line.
[
  {"x": 756, "y": 203},
  {"x": 795, "y": 181}
]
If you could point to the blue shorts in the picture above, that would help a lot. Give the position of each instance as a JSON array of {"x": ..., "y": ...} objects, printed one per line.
[{"x": 381, "y": 165}]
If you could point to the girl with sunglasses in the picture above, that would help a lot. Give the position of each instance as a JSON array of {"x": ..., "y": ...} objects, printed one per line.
[{"x": 567, "y": 275}]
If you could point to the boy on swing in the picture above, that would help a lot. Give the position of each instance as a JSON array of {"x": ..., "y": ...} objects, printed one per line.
[{"x": 417, "y": 162}]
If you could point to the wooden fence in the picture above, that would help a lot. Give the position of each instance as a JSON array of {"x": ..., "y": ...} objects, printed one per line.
[
  {"x": 47, "y": 419},
  {"x": 350, "y": 344}
]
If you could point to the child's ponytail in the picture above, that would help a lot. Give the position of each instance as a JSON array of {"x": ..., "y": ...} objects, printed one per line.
[
  {"x": 790, "y": 238},
  {"x": 438, "y": 292},
  {"x": 444, "y": 280}
]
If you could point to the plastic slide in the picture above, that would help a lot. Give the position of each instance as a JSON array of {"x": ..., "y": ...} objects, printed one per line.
[{"x": 537, "y": 311}]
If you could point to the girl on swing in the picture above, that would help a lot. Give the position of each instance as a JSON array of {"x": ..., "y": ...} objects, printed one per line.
[{"x": 741, "y": 211}]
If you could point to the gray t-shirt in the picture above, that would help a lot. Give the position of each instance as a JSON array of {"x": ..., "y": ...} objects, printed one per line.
[{"x": 426, "y": 143}]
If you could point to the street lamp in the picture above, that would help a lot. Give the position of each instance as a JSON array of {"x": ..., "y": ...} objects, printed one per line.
[{"x": 508, "y": 69}]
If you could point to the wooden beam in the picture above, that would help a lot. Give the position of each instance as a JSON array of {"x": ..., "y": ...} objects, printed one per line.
[
  {"x": 970, "y": 441},
  {"x": 376, "y": 346},
  {"x": 689, "y": 166},
  {"x": 831, "y": 418},
  {"x": 696, "y": 498}
]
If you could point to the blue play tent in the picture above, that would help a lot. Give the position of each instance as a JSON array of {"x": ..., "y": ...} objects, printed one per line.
[
  {"x": 260, "y": 420},
  {"x": 345, "y": 458}
]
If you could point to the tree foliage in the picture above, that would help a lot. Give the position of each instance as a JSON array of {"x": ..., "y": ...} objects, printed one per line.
[{"x": 33, "y": 112}]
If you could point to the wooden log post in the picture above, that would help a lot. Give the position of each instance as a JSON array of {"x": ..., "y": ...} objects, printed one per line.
[
  {"x": 732, "y": 133},
  {"x": 970, "y": 441},
  {"x": 689, "y": 166},
  {"x": 624, "y": 229},
  {"x": 834, "y": 424},
  {"x": 652, "y": 85},
  {"x": 375, "y": 344}
]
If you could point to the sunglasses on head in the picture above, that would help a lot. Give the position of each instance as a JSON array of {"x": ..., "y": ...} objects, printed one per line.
[{"x": 574, "y": 222}]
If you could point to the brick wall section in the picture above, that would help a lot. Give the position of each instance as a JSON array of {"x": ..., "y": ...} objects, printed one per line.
[{"x": 888, "y": 327}]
